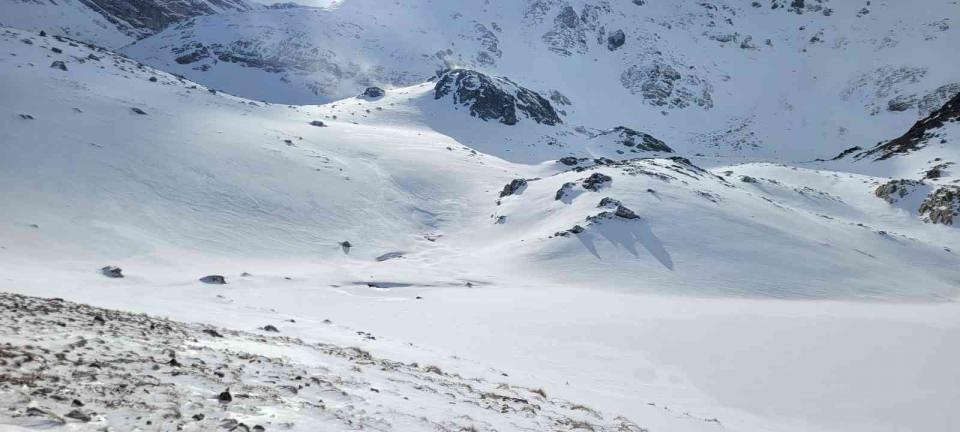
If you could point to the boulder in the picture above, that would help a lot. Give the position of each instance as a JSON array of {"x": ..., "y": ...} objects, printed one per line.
[
  {"x": 373, "y": 93},
  {"x": 112, "y": 272},
  {"x": 214, "y": 279},
  {"x": 59, "y": 64},
  {"x": 616, "y": 40}
]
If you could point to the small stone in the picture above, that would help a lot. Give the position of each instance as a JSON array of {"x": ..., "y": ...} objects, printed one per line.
[
  {"x": 318, "y": 123},
  {"x": 138, "y": 111},
  {"x": 271, "y": 328}
]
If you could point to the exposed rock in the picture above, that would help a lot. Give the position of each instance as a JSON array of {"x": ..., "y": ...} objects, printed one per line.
[
  {"x": 138, "y": 111},
  {"x": 661, "y": 84},
  {"x": 48, "y": 418},
  {"x": 569, "y": 161},
  {"x": 112, "y": 272},
  {"x": 345, "y": 245},
  {"x": 79, "y": 415},
  {"x": 608, "y": 203},
  {"x": 619, "y": 209},
  {"x": 748, "y": 179},
  {"x": 941, "y": 205},
  {"x": 636, "y": 141},
  {"x": 936, "y": 171},
  {"x": 616, "y": 40},
  {"x": 596, "y": 181},
  {"x": 847, "y": 152},
  {"x": 59, "y": 64},
  {"x": 214, "y": 279},
  {"x": 373, "y": 93},
  {"x": 225, "y": 396},
  {"x": 918, "y": 135},
  {"x": 568, "y": 35},
  {"x": 495, "y": 98},
  {"x": 893, "y": 190},
  {"x": 271, "y": 328},
  {"x": 317, "y": 123},
  {"x": 26, "y": 116},
  {"x": 390, "y": 256},
  {"x": 515, "y": 186},
  {"x": 564, "y": 190},
  {"x": 625, "y": 213}
]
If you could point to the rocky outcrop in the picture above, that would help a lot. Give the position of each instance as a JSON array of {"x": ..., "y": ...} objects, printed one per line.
[
  {"x": 515, "y": 186},
  {"x": 918, "y": 135},
  {"x": 941, "y": 206},
  {"x": 893, "y": 190},
  {"x": 596, "y": 181},
  {"x": 495, "y": 98},
  {"x": 663, "y": 85},
  {"x": 634, "y": 141},
  {"x": 373, "y": 93}
]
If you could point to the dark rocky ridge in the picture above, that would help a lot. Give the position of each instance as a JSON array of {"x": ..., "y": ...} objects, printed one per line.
[
  {"x": 495, "y": 98},
  {"x": 918, "y": 135}
]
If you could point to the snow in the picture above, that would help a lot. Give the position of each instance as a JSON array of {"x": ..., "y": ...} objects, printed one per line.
[{"x": 796, "y": 301}]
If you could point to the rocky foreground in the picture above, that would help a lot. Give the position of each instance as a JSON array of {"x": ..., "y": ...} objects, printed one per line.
[{"x": 76, "y": 367}]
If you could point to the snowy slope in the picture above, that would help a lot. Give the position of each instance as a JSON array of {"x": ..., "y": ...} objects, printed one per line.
[
  {"x": 710, "y": 77},
  {"x": 109, "y": 162}
]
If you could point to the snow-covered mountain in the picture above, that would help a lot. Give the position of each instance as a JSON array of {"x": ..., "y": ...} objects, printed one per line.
[
  {"x": 797, "y": 81},
  {"x": 498, "y": 215}
]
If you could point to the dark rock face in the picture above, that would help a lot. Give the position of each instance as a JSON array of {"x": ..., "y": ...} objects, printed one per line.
[
  {"x": 941, "y": 205},
  {"x": 638, "y": 141},
  {"x": 59, "y": 64},
  {"x": 596, "y": 181},
  {"x": 112, "y": 272},
  {"x": 515, "y": 186},
  {"x": 893, "y": 190},
  {"x": 373, "y": 93},
  {"x": 569, "y": 161},
  {"x": 214, "y": 279},
  {"x": 918, "y": 135},
  {"x": 616, "y": 40},
  {"x": 495, "y": 98}
]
